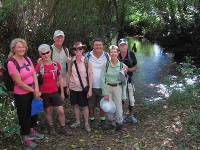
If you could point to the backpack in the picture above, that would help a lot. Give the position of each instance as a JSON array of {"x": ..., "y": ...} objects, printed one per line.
[
  {"x": 41, "y": 73},
  {"x": 9, "y": 83},
  {"x": 88, "y": 55},
  {"x": 66, "y": 53}
]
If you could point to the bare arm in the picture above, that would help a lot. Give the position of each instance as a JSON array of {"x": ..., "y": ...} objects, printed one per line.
[
  {"x": 132, "y": 69},
  {"x": 18, "y": 81}
]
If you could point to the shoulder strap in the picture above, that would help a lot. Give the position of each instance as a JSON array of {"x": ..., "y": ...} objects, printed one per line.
[
  {"x": 107, "y": 56},
  {"x": 41, "y": 68},
  {"x": 78, "y": 74},
  {"x": 87, "y": 56},
  {"x": 28, "y": 60},
  {"x": 15, "y": 62},
  {"x": 66, "y": 51},
  {"x": 107, "y": 65},
  {"x": 121, "y": 65},
  {"x": 51, "y": 52}
]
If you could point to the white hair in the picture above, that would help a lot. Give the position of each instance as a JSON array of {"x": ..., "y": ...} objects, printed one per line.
[{"x": 43, "y": 47}]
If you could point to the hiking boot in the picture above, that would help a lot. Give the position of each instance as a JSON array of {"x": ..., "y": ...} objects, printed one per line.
[
  {"x": 75, "y": 125},
  {"x": 28, "y": 142},
  {"x": 87, "y": 128},
  {"x": 63, "y": 130},
  {"x": 130, "y": 119},
  {"x": 119, "y": 127},
  {"x": 103, "y": 125},
  {"x": 35, "y": 135},
  {"x": 92, "y": 123},
  {"x": 51, "y": 130}
]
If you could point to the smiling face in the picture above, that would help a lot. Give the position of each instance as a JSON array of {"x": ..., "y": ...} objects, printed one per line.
[
  {"x": 58, "y": 41},
  {"x": 98, "y": 46},
  {"x": 45, "y": 54},
  {"x": 123, "y": 48},
  {"x": 19, "y": 49},
  {"x": 113, "y": 53},
  {"x": 78, "y": 50}
]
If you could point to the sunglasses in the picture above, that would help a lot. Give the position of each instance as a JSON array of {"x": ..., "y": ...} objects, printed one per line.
[
  {"x": 45, "y": 53},
  {"x": 77, "y": 49}
]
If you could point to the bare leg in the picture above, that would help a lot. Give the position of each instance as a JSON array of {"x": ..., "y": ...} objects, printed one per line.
[{"x": 61, "y": 115}]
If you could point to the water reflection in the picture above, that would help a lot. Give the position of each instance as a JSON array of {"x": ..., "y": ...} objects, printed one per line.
[{"x": 153, "y": 66}]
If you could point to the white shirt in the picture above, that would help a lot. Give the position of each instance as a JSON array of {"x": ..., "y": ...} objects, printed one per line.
[{"x": 97, "y": 66}]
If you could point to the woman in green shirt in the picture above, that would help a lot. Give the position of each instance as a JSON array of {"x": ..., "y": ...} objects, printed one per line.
[{"x": 112, "y": 87}]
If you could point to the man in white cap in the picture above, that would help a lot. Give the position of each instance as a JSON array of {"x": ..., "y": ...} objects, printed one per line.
[
  {"x": 129, "y": 59},
  {"x": 60, "y": 54}
]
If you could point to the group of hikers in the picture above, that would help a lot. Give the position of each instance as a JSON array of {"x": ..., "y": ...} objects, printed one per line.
[{"x": 84, "y": 77}]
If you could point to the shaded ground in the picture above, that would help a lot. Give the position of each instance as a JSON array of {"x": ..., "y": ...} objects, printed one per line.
[{"x": 156, "y": 130}]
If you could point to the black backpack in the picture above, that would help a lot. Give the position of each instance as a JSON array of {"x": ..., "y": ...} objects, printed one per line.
[{"x": 9, "y": 83}]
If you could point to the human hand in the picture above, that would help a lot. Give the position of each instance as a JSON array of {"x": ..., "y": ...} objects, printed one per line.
[
  {"x": 89, "y": 94},
  {"x": 62, "y": 95},
  {"x": 106, "y": 98},
  {"x": 37, "y": 94}
]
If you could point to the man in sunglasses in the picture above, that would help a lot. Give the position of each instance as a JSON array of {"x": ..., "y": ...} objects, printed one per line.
[{"x": 129, "y": 59}]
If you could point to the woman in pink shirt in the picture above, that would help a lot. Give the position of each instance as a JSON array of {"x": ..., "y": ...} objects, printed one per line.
[
  {"x": 79, "y": 77},
  {"x": 50, "y": 72},
  {"x": 26, "y": 87}
]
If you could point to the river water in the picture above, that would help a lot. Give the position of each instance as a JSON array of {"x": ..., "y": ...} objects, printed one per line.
[{"x": 154, "y": 66}]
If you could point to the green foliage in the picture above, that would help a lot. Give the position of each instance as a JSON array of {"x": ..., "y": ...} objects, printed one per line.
[
  {"x": 187, "y": 68},
  {"x": 184, "y": 99},
  {"x": 8, "y": 119},
  {"x": 153, "y": 106},
  {"x": 193, "y": 125}
]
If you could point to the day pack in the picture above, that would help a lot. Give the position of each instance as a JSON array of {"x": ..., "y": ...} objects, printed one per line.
[{"x": 9, "y": 83}]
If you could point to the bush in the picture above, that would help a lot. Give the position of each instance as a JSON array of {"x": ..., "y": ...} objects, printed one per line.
[
  {"x": 182, "y": 99},
  {"x": 193, "y": 125},
  {"x": 8, "y": 118}
]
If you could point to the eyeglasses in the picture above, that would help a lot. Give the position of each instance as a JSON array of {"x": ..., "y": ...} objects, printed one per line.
[
  {"x": 45, "y": 53},
  {"x": 77, "y": 49}
]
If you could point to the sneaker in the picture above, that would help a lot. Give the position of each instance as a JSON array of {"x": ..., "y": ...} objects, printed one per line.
[
  {"x": 28, "y": 142},
  {"x": 75, "y": 125},
  {"x": 133, "y": 119},
  {"x": 130, "y": 119},
  {"x": 35, "y": 135},
  {"x": 64, "y": 130},
  {"x": 87, "y": 128}
]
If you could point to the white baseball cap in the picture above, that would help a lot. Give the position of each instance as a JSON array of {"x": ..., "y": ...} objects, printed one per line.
[
  {"x": 58, "y": 33},
  {"x": 123, "y": 41}
]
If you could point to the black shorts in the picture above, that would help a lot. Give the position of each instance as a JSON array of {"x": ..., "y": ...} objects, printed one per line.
[
  {"x": 79, "y": 98},
  {"x": 52, "y": 99}
]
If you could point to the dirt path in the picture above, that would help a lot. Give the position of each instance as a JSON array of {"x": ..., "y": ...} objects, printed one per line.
[{"x": 154, "y": 131}]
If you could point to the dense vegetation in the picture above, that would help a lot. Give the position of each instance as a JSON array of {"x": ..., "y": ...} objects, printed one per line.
[{"x": 171, "y": 22}]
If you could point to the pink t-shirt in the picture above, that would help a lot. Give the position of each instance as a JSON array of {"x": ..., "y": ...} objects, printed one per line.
[
  {"x": 26, "y": 73},
  {"x": 74, "y": 83},
  {"x": 50, "y": 78}
]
